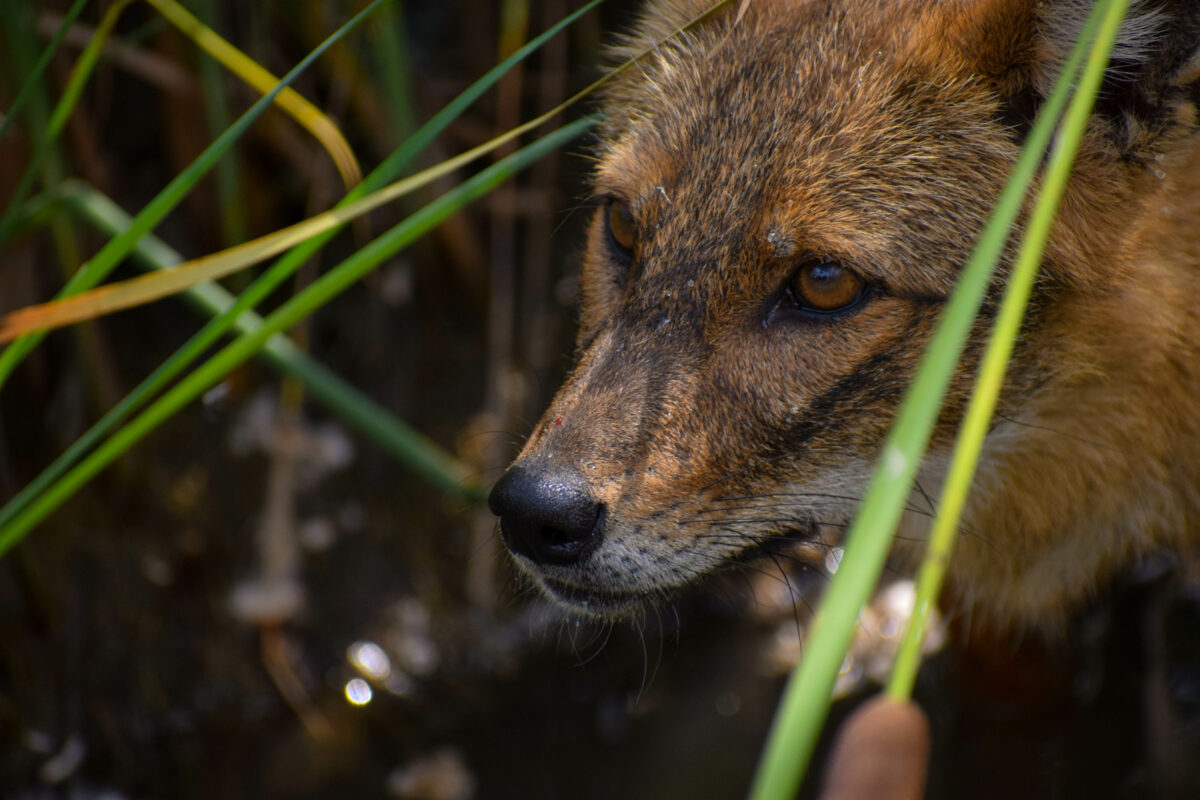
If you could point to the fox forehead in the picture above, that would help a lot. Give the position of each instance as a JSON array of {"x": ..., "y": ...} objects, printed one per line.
[{"x": 790, "y": 135}]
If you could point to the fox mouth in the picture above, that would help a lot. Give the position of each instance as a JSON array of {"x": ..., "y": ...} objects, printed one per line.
[
  {"x": 594, "y": 601},
  {"x": 616, "y": 603}
]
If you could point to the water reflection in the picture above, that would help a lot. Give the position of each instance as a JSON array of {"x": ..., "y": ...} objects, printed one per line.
[
  {"x": 358, "y": 692},
  {"x": 369, "y": 659}
]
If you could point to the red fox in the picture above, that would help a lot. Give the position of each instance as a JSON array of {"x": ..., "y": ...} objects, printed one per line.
[{"x": 788, "y": 193}]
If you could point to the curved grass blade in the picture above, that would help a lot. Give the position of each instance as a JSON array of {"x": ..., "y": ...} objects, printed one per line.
[
  {"x": 805, "y": 703},
  {"x": 116, "y": 249},
  {"x": 307, "y": 301},
  {"x": 35, "y": 75},
  {"x": 311, "y": 118},
  {"x": 995, "y": 361}
]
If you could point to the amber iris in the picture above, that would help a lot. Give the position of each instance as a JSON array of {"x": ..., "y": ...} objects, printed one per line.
[
  {"x": 622, "y": 228},
  {"x": 825, "y": 285}
]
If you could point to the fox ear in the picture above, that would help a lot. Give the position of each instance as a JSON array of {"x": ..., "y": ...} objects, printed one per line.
[{"x": 1152, "y": 79}]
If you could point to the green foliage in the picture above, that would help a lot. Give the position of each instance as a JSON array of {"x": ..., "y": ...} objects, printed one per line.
[
  {"x": 98, "y": 267},
  {"x": 59, "y": 481}
]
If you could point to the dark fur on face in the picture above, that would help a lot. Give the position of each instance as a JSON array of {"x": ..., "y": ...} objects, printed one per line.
[{"x": 713, "y": 407}]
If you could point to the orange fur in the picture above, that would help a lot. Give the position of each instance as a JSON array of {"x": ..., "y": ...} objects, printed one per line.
[{"x": 708, "y": 418}]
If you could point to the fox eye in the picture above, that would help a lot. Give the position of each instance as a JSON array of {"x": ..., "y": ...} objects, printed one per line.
[
  {"x": 622, "y": 228},
  {"x": 825, "y": 286}
]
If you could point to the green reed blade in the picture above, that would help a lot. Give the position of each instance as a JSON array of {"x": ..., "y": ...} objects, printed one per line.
[
  {"x": 805, "y": 704},
  {"x": 995, "y": 361}
]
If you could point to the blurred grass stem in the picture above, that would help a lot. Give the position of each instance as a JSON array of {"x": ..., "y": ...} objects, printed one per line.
[
  {"x": 33, "y": 78},
  {"x": 58, "y": 119}
]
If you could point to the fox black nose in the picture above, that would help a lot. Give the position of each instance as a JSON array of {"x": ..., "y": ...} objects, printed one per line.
[{"x": 550, "y": 518}]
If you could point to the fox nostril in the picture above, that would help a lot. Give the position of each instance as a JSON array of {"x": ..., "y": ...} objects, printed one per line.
[{"x": 548, "y": 517}]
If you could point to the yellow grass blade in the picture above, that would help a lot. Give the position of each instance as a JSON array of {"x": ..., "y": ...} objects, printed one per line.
[
  {"x": 291, "y": 101},
  {"x": 147, "y": 288}
]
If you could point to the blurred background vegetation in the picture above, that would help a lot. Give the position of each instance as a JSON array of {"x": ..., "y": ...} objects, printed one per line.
[{"x": 146, "y": 645}]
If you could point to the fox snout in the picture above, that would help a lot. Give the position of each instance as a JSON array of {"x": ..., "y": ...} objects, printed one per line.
[{"x": 547, "y": 516}]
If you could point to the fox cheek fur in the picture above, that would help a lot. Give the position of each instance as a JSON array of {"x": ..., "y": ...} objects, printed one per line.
[{"x": 787, "y": 200}]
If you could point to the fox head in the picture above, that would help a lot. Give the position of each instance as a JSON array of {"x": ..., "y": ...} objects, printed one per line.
[{"x": 786, "y": 199}]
